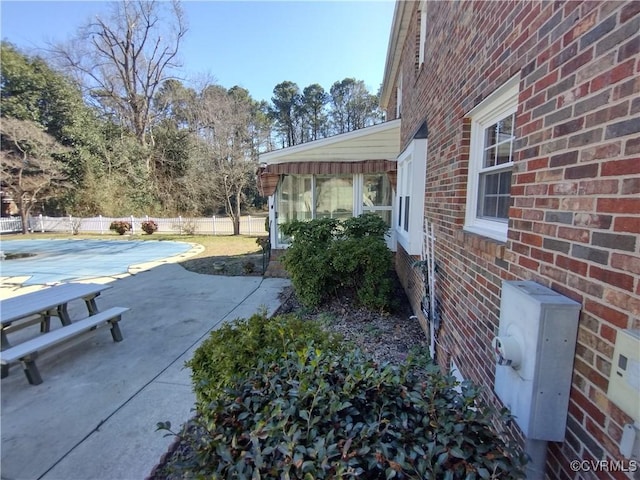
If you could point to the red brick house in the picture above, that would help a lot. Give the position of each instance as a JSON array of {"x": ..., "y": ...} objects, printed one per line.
[{"x": 520, "y": 147}]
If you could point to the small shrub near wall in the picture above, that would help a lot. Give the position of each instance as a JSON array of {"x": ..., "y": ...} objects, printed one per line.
[
  {"x": 328, "y": 256},
  {"x": 120, "y": 226},
  {"x": 308, "y": 259},
  {"x": 317, "y": 414}
]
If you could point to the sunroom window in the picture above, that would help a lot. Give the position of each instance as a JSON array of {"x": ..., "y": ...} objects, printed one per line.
[
  {"x": 334, "y": 196},
  {"x": 305, "y": 197},
  {"x": 377, "y": 196}
]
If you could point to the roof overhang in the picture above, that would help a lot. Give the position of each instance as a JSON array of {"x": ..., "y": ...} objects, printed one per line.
[
  {"x": 399, "y": 28},
  {"x": 378, "y": 142},
  {"x": 368, "y": 150}
]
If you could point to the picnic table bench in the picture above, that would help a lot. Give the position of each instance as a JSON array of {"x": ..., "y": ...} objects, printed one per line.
[{"x": 18, "y": 312}]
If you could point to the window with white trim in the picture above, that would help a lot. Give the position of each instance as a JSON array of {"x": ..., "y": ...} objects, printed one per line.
[
  {"x": 423, "y": 31},
  {"x": 404, "y": 193},
  {"x": 410, "y": 195},
  {"x": 491, "y": 162},
  {"x": 305, "y": 197},
  {"x": 377, "y": 195}
]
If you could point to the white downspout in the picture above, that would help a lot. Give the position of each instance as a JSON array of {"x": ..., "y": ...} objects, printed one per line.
[{"x": 536, "y": 450}]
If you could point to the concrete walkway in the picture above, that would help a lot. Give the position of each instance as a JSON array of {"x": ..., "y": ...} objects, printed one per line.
[{"x": 95, "y": 414}]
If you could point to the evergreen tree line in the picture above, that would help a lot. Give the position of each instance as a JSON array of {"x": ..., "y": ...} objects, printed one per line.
[{"x": 102, "y": 125}]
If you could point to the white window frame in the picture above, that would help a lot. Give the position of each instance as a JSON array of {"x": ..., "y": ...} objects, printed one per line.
[
  {"x": 358, "y": 208},
  {"x": 399, "y": 98},
  {"x": 500, "y": 104},
  {"x": 412, "y": 164},
  {"x": 423, "y": 32}
]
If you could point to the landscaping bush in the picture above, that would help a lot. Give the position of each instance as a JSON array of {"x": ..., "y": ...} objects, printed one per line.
[
  {"x": 120, "y": 226},
  {"x": 236, "y": 348},
  {"x": 308, "y": 259},
  {"x": 149, "y": 226},
  {"x": 327, "y": 256},
  {"x": 363, "y": 264},
  {"x": 319, "y": 414},
  {"x": 365, "y": 225}
]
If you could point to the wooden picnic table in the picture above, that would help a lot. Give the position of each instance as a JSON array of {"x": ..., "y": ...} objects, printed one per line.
[{"x": 49, "y": 302}]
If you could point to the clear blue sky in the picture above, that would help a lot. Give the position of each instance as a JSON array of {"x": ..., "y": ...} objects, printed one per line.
[{"x": 252, "y": 44}]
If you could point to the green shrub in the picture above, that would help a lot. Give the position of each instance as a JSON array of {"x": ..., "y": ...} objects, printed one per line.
[
  {"x": 365, "y": 225},
  {"x": 317, "y": 415},
  {"x": 363, "y": 264},
  {"x": 236, "y": 348},
  {"x": 120, "y": 226},
  {"x": 308, "y": 259},
  {"x": 327, "y": 256}
]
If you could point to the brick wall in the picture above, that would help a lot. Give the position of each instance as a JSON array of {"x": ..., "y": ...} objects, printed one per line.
[
  {"x": 575, "y": 213},
  {"x": 412, "y": 282}
]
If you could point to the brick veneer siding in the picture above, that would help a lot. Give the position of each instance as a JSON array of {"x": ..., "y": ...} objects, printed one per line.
[
  {"x": 575, "y": 213},
  {"x": 412, "y": 282}
]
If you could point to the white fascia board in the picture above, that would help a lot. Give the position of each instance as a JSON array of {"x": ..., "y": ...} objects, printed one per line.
[
  {"x": 277, "y": 156},
  {"x": 397, "y": 37}
]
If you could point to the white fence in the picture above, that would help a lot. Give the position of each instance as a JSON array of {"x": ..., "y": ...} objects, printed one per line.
[
  {"x": 10, "y": 224},
  {"x": 182, "y": 225}
]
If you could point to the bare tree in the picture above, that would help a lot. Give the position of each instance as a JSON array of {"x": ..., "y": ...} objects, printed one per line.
[
  {"x": 228, "y": 161},
  {"x": 123, "y": 59},
  {"x": 29, "y": 171}
]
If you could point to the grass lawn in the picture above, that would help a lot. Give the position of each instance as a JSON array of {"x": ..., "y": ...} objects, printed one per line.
[{"x": 222, "y": 254}]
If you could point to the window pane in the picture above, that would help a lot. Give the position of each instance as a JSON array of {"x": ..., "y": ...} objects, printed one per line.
[
  {"x": 493, "y": 195},
  {"x": 490, "y": 157},
  {"x": 294, "y": 200},
  {"x": 504, "y": 153},
  {"x": 506, "y": 128},
  {"x": 491, "y": 184},
  {"x": 334, "y": 196},
  {"x": 376, "y": 191},
  {"x": 489, "y": 206},
  {"x": 498, "y": 142},
  {"x": 400, "y": 212},
  {"x": 505, "y": 183},
  {"x": 503, "y": 207},
  {"x": 490, "y": 135},
  {"x": 406, "y": 214}
]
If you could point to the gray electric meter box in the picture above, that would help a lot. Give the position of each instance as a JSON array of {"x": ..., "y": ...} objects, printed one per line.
[{"x": 534, "y": 351}]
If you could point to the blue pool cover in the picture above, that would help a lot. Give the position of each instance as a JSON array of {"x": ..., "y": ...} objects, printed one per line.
[{"x": 68, "y": 260}]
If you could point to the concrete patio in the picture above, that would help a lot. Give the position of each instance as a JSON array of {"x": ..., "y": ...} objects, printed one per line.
[{"x": 95, "y": 414}]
